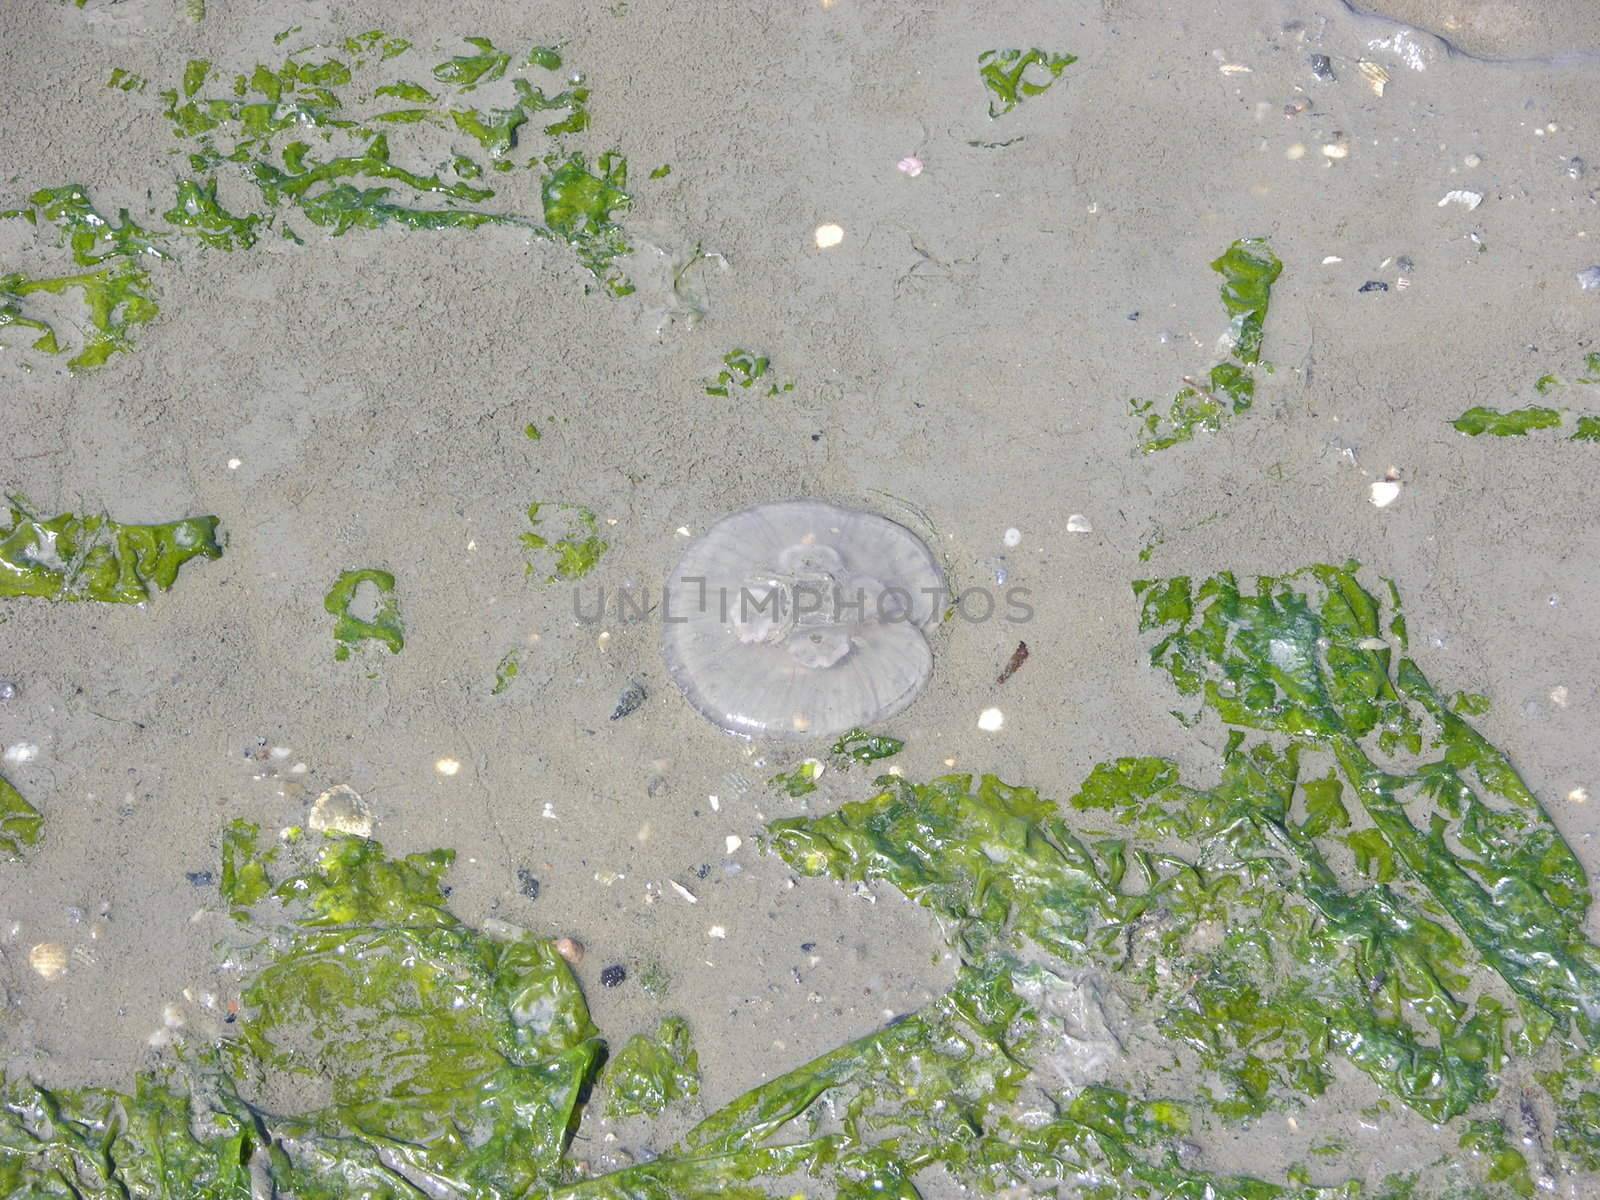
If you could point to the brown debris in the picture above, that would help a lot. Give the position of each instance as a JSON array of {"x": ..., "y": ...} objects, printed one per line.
[{"x": 1018, "y": 657}]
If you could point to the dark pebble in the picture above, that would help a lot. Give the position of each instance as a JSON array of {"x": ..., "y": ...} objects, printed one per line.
[
  {"x": 629, "y": 702},
  {"x": 702, "y": 870},
  {"x": 807, "y": 947},
  {"x": 200, "y": 878},
  {"x": 612, "y": 976},
  {"x": 527, "y": 884},
  {"x": 1322, "y": 67},
  {"x": 1374, "y": 285}
]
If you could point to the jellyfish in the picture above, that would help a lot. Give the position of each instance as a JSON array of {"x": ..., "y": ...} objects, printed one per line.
[{"x": 801, "y": 620}]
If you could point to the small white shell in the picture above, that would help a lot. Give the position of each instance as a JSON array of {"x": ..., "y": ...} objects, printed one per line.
[
  {"x": 1467, "y": 200},
  {"x": 48, "y": 959}
]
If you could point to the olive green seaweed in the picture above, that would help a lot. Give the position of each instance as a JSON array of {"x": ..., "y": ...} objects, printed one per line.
[
  {"x": 742, "y": 369},
  {"x": 69, "y": 557},
  {"x": 20, "y": 822},
  {"x": 1013, "y": 76},
  {"x": 1516, "y": 423},
  {"x": 858, "y": 745},
  {"x": 115, "y": 294},
  {"x": 1248, "y": 269},
  {"x": 383, "y": 626},
  {"x": 574, "y": 549},
  {"x": 652, "y": 1071},
  {"x": 801, "y": 781}
]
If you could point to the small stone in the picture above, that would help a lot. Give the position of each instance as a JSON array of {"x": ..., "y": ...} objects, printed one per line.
[
  {"x": 1078, "y": 523},
  {"x": 570, "y": 949},
  {"x": 341, "y": 809},
  {"x": 807, "y": 947},
  {"x": 1338, "y": 148},
  {"x": 717, "y": 931},
  {"x": 632, "y": 698},
  {"x": 1576, "y": 168},
  {"x": 1467, "y": 200},
  {"x": 991, "y": 720},
  {"x": 828, "y": 236},
  {"x": 910, "y": 166},
  {"x": 1322, "y": 68},
  {"x": 527, "y": 883},
  {"x": 8, "y": 689},
  {"x": 1373, "y": 285},
  {"x": 1384, "y": 492},
  {"x": 613, "y": 976},
  {"x": 200, "y": 879},
  {"x": 1012, "y": 537},
  {"x": 1473, "y": 160},
  {"x": 733, "y": 841},
  {"x": 1589, "y": 279}
]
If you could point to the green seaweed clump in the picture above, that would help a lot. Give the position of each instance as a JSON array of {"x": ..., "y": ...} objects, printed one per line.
[
  {"x": 20, "y": 822},
  {"x": 742, "y": 369},
  {"x": 383, "y": 625},
  {"x": 115, "y": 293},
  {"x": 505, "y": 672},
  {"x": 858, "y": 745},
  {"x": 1370, "y": 881},
  {"x": 801, "y": 781},
  {"x": 1006, "y": 74},
  {"x": 650, "y": 1072},
  {"x": 1248, "y": 269},
  {"x": 573, "y": 551},
  {"x": 68, "y": 557},
  {"x": 1517, "y": 423},
  {"x": 580, "y": 207}
]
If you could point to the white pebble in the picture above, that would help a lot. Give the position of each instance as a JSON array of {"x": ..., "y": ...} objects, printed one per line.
[
  {"x": 21, "y": 752},
  {"x": 734, "y": 841},
  {"x": 716, "y": 804},
  {"x": 1467, "y": 200},
  {"x": 717, "y": 931},
  {"x": 991, "y": 720},
  {"x": 1578, "y": 795},
  {"x": 1012, "y": 537},
  {"x": 234, "y": 464},
  {"x": 1589, "y": 279},
  {"x": 1335, "y": 150},
  {"x": 1558, "y": 696},
  {"x": 1331, "y": 259},
  {"x": 1078, "y": 523},
  {"x": 447, "y": 767},
  {"x": 910, "y": 165},
  {"x": 1384, "y": 492},
  {"x": 829, "y": 236}
]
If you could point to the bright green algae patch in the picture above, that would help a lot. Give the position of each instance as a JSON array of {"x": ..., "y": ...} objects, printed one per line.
[
  {"x": 1012, "y": 76},
  {"x": 1248, "y": 269},
  {"x": 113, "y": 286},
  {"x": 68, "y": 557},
  {"x": 384, "y": 625},
  {"x": 742, "y": 369},
  {"x": 20, "y": 822},
  {"x": 571, "y": 545},
  {"x": 651, "y": 1071},
  {"x": 1250, "y": 921},
  {"x": 1516, "y": 423}
]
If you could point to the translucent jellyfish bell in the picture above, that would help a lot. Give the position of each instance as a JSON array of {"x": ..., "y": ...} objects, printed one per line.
[{"x": 801, "y": 620}]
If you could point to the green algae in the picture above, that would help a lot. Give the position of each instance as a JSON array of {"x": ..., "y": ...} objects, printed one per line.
[
  {"x": 126, "y": 81},
  {"x": 69, "y": 557},
  {"x": 745, "y": 370},
  {"x": 199, "y": 212},
  {"x": 383, "y": 626},
  {"x": 505, "y": 672},
  {"x": 1587, "y": 429},
  {"x": 1516, "y": 423},
  {"x": 115, "y": 294},
  {"x": 801, "y": 781},
  {"x": 531, "y": 432},
  {"x": 652, "y": 1071},
  {"x": 857, "y": 745},
  {"x": 1248, "y": 269},
  {"x": 580, "y": 206},
  {"x": 574, "y": 547},
  {"x": 1012, "y": 76},
  {"x": 20, "y": 822}
]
